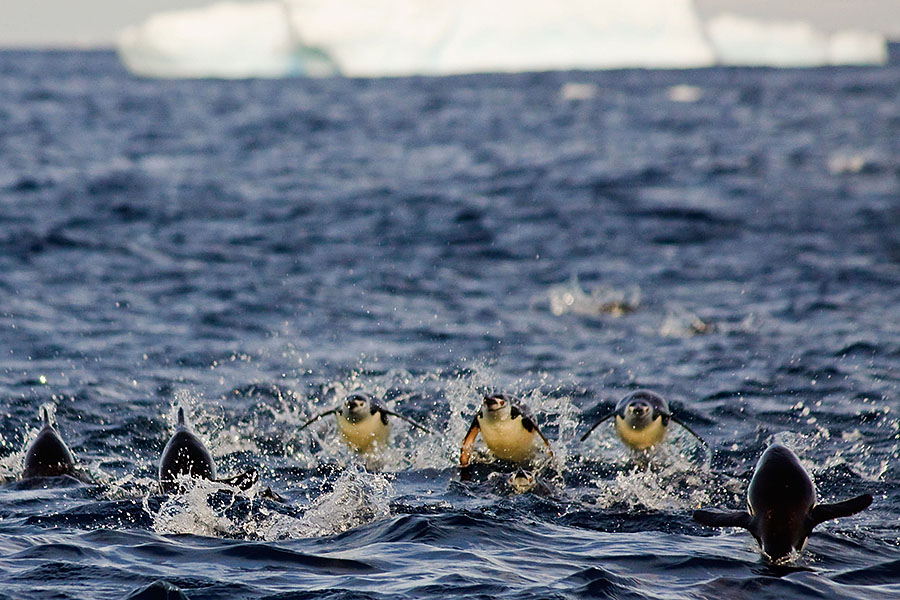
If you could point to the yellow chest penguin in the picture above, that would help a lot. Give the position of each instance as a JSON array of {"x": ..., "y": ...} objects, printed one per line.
[
  {"x": 641, "y": 439},
  {"x": 508, "y": 439},
  {"x": 507, "y": 431},
  {"x": 364, "y": 435},
  {"x": 363, "y": 423}
]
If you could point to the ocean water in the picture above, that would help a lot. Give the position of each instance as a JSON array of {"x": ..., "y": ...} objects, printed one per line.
[{"x": 253, "y": 251}]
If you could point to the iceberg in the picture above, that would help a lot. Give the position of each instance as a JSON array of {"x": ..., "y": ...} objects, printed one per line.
[
  {"x": 385, "y": 38},
  {"x": 227, "y": 40},
  {"x": 741, "y": 40}
]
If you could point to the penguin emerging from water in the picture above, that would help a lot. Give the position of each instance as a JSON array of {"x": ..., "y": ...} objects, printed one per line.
[
  {"x": 642, "y": 420},
  {"x": 782, "y": 506},
  {"x": 186, "y": 454},
  {"x": 522, "y": 482},
  {"x": 48, "y": 455},
  {"x": 363, "y": 422},
  {"x": 508, "y": 431}
]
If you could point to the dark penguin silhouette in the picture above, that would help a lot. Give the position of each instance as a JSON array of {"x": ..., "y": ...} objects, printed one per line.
[
  {"x": 48, "y": 455},
  {"x": 782, "y": 506},
  {"x": 185, "y": 454},
  {"x": 642, "y": 420}
]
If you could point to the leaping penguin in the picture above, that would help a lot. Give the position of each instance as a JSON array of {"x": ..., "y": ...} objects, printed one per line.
[
  {"x": 507, "y": 429},
  {"x": 782, "y": 509},
  {"x": 186, "y": 454},
  {"x": 642, "y": 420},
  {"x": 363, "y": 422},
  {"x": 48, "y": 455}
]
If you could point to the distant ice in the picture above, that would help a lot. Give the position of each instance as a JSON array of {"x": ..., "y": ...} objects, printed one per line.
[
  {"x": 744, "y": 41},
  {"x": 227, "y": 40},
  {"x": 376, "y": 38}
]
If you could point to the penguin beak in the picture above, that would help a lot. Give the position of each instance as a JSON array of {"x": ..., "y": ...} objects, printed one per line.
[
  {"x": 354, "y": 403},
  {"x": 639, "y": 409},
  {"x": 493, "y": 402}
]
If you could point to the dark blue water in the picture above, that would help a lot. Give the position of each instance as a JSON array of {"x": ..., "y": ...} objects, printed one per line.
[{"x": 255, "y": 250}]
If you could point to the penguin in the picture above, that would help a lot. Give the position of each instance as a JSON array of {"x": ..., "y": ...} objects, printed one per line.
[
  {"x": 522, "y": 482},
  {"x": 782, "y": 509},
  {"x": 186, "y": 454},
  {"x": 507, "y": 429},
  {"x": 642, "y": 420},
  {"x": 48, "y": 455},
  {"x": 363, "y": 422}
]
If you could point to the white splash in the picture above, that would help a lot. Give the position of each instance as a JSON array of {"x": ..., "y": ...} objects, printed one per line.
[
  {"x": 575, "y": 91},
  {"x": 357, "y": 498},
  {"x": 11, "y": 466},
  {"x": 684, "y": 93},
  {"x": 851, "y": 162},
  {"x": 191, "y": 511},
  {"x": 660, "y": 486},
  {"x": 852, "y": 450},
  {"x": 571, "y": 298},
  {"x": 680, "y": 322},
  {"x": 675, "y": 475}
]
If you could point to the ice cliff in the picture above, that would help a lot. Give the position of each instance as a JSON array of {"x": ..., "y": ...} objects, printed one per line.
[{"x": 377, "y": 38}]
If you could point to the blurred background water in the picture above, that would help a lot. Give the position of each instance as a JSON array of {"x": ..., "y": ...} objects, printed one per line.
[{"x": 255, "y": 250}]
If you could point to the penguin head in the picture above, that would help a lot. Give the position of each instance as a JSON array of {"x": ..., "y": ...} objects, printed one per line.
[
  {"x": 357, "y": 407},
  {"x": 522, "y": 481},
  {"x": 496, "y": 407},
  {"x": 780, "y": 547},
  {"x": 641, "y": 408}
]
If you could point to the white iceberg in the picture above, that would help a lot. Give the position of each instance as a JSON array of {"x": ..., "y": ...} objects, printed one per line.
[
  {"x": 227, "y": 40},
  {"x": 745, "y": 41},
  {"x": 852, "y": 47},
  {"x": 378, "y": 38}
]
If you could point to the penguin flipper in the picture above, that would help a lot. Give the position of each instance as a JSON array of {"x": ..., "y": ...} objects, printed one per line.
[
  {"x": 465, "y": 455},
  {"x": 243, "y": 481},
  {"x": 826, "y": 512},
  {"x": 690, "y": 431},
  {"x": 546, "y": 441},
  {"x": 270, "y": 495},
  {"x": 316, "y": 418},
  {"x": 407, "y": 419},
  {"x": 595, "y": 425},
  {"x": 737, "y": 518}
]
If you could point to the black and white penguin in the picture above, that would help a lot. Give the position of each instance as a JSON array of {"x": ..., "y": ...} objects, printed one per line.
[
  {"x": 363, "y": 422},
  {"x": 186, "y": 455},
  {"x": 48, "y": 455},
  {"x": 642, "y": 420},
  {"x": 508, "y": 431},
  {"x": 782, "y": 509}
]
